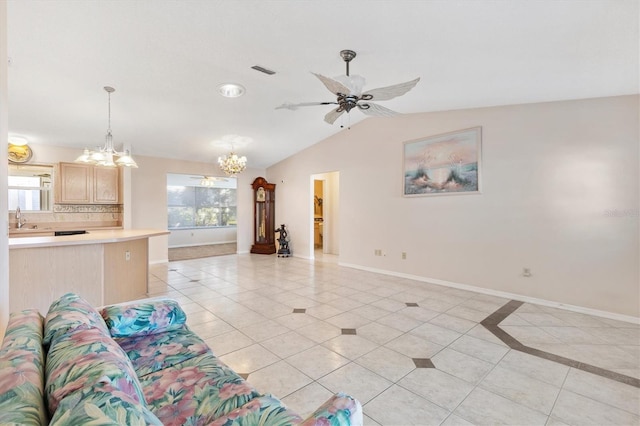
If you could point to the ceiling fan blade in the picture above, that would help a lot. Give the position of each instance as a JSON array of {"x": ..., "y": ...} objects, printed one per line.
[
  {"x": 333, "y": 115},
  {"x": 294, "y": 107},
  {"x": 376, "y": 110},
  {"x": 334, "y": 86},
  {"x": 390, "y": 92}
]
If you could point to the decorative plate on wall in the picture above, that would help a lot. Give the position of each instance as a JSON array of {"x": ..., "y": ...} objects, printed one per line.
[{"x": 19, "y": 153}]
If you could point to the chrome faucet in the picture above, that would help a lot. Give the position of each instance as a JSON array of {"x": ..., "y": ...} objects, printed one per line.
[{"x": 18, "y": 216}]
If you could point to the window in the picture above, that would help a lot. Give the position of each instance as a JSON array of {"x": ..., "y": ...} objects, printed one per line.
[
  {"x": 29, "y": 187},
  {"x": 191, "y": 205}
]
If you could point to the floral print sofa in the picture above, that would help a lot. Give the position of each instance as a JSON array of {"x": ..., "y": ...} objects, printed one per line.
[{"x": 131, "y": 364}]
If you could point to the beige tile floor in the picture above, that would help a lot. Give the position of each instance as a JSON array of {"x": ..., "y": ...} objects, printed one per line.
[{"x": 243, "y": 306}]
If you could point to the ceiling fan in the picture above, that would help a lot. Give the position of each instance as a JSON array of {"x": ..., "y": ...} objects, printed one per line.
[
  {"x": 348, "y": 89},
  {"x": 209, "y": 180}
]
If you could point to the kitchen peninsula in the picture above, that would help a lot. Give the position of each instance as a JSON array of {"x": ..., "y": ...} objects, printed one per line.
[{"x": 103, "y": 266}]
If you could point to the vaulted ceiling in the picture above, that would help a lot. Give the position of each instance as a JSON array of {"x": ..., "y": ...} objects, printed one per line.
[{"x": 166, "y": 60}]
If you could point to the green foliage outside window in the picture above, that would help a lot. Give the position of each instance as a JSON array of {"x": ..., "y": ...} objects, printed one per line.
[{"x": 193, "y": 206}]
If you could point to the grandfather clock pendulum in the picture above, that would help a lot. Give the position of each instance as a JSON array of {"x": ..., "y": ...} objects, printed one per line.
[{"x": 264, "y": 198}]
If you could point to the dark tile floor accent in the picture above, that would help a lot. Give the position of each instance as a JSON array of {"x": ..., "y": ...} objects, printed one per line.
[
  {"x": 299, "y": 310},
  {"x": 349, "y": 331},
  {"x": 244, "y": 375},
  {"x": 492, "y": 322},
  {"x": 411, "y": 304},
  {"x": 423, "y": 363},
  {"x": 194, "y": 281}
]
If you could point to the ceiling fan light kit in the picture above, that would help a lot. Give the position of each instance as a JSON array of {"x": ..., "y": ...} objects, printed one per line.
[{"x": 349, "y": 92}]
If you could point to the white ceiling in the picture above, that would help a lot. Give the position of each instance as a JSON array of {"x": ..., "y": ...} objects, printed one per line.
[{"x": 167, "y": 58}]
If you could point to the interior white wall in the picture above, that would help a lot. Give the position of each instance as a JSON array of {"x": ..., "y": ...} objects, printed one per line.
[
  {"x": 149, "y": 200},
  {"x": 560, "y": 196},
  {"x": 50, "y": 154},
  {"x": 195, "y": 237},
  {"x": 333, "y": 197},
  {"x": 4, "y": 170}
]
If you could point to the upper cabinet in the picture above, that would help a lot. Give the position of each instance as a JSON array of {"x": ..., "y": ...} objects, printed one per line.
[
  {"x": 74, "y": 183},
  {"x": 87, "y": 184},
  {"x": 106, "y": 185}
]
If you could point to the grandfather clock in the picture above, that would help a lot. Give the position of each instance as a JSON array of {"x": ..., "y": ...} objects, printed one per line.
[{"x": 264, "y": 198}]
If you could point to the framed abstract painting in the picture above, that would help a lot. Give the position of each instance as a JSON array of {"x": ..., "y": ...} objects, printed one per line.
[{"x": 444, "y": 164}]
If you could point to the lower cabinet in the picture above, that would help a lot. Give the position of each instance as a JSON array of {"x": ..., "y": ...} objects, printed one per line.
[
  {"x": 102, "y": 273},
  {"x": 126, "y": 270}
]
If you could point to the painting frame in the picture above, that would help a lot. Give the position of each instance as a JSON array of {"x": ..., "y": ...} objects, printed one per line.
[{"x": 443, "y": 164}]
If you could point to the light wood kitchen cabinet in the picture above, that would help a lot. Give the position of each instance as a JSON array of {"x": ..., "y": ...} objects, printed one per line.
[
  {"x": 106, "y": 185},
  {"x": 87, "y": 184},
  {"x": 73, "y": 183}
]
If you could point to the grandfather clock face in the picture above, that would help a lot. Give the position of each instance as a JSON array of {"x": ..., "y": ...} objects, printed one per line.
[{"x": 260, "y": 195}]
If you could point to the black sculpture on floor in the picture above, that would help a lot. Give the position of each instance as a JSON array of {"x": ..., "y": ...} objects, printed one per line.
[{"x": 283, "y": 242}]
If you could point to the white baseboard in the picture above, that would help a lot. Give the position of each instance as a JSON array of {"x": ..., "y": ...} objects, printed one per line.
[
  {"x": 155, "y": 262},
  {"x": 503, "y": 294}
]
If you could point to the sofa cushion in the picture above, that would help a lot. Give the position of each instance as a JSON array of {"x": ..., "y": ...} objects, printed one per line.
[
  {"x": 156, "y": 316},
  {"x": 196, "y": 391},
  {"x": 91, "y": 406},
  {"x": 85, "y": 358},
  {"x": 22, "y": 371},
  {"x": 70, "y": 312},
  {"x": 154, "y": 352}
]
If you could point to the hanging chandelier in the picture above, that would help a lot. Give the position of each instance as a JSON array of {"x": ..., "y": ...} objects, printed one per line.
[
  {"x": 104, "y": 156},
  {"x": 232, "y": 164}
]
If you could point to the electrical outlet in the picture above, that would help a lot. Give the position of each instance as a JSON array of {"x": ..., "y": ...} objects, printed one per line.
[
  {"x": 127, "y": 255},
  {"x": 526, "y": 272},
  {"x": 377, "y": 252},
  {"x": 404, "y": 255}
]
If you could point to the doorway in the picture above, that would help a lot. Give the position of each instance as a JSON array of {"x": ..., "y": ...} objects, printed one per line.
[{"x": 324, "y": 214}]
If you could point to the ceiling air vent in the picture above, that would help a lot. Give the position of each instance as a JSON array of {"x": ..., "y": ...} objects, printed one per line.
[{"x": 262, "y": 69}]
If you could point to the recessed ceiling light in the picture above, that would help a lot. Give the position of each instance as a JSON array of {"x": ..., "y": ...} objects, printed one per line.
[{"x": 231, "y": 90}]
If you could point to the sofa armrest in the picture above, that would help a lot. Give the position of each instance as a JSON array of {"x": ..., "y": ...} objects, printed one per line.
[
  {"x": 341, "y": 409},
  {"x": 22, "y": 371}
]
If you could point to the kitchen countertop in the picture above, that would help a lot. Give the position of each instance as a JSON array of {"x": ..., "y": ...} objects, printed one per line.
[{"x": 91, "y": 237}]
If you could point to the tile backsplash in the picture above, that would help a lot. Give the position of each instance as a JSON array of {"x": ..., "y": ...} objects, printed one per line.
[{"x": 72, "y": 215}]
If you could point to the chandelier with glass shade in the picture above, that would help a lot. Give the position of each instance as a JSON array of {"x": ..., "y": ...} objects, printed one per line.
[
  {"x": 104, "y": 156},
  {"x": 232, "y": 164}
]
